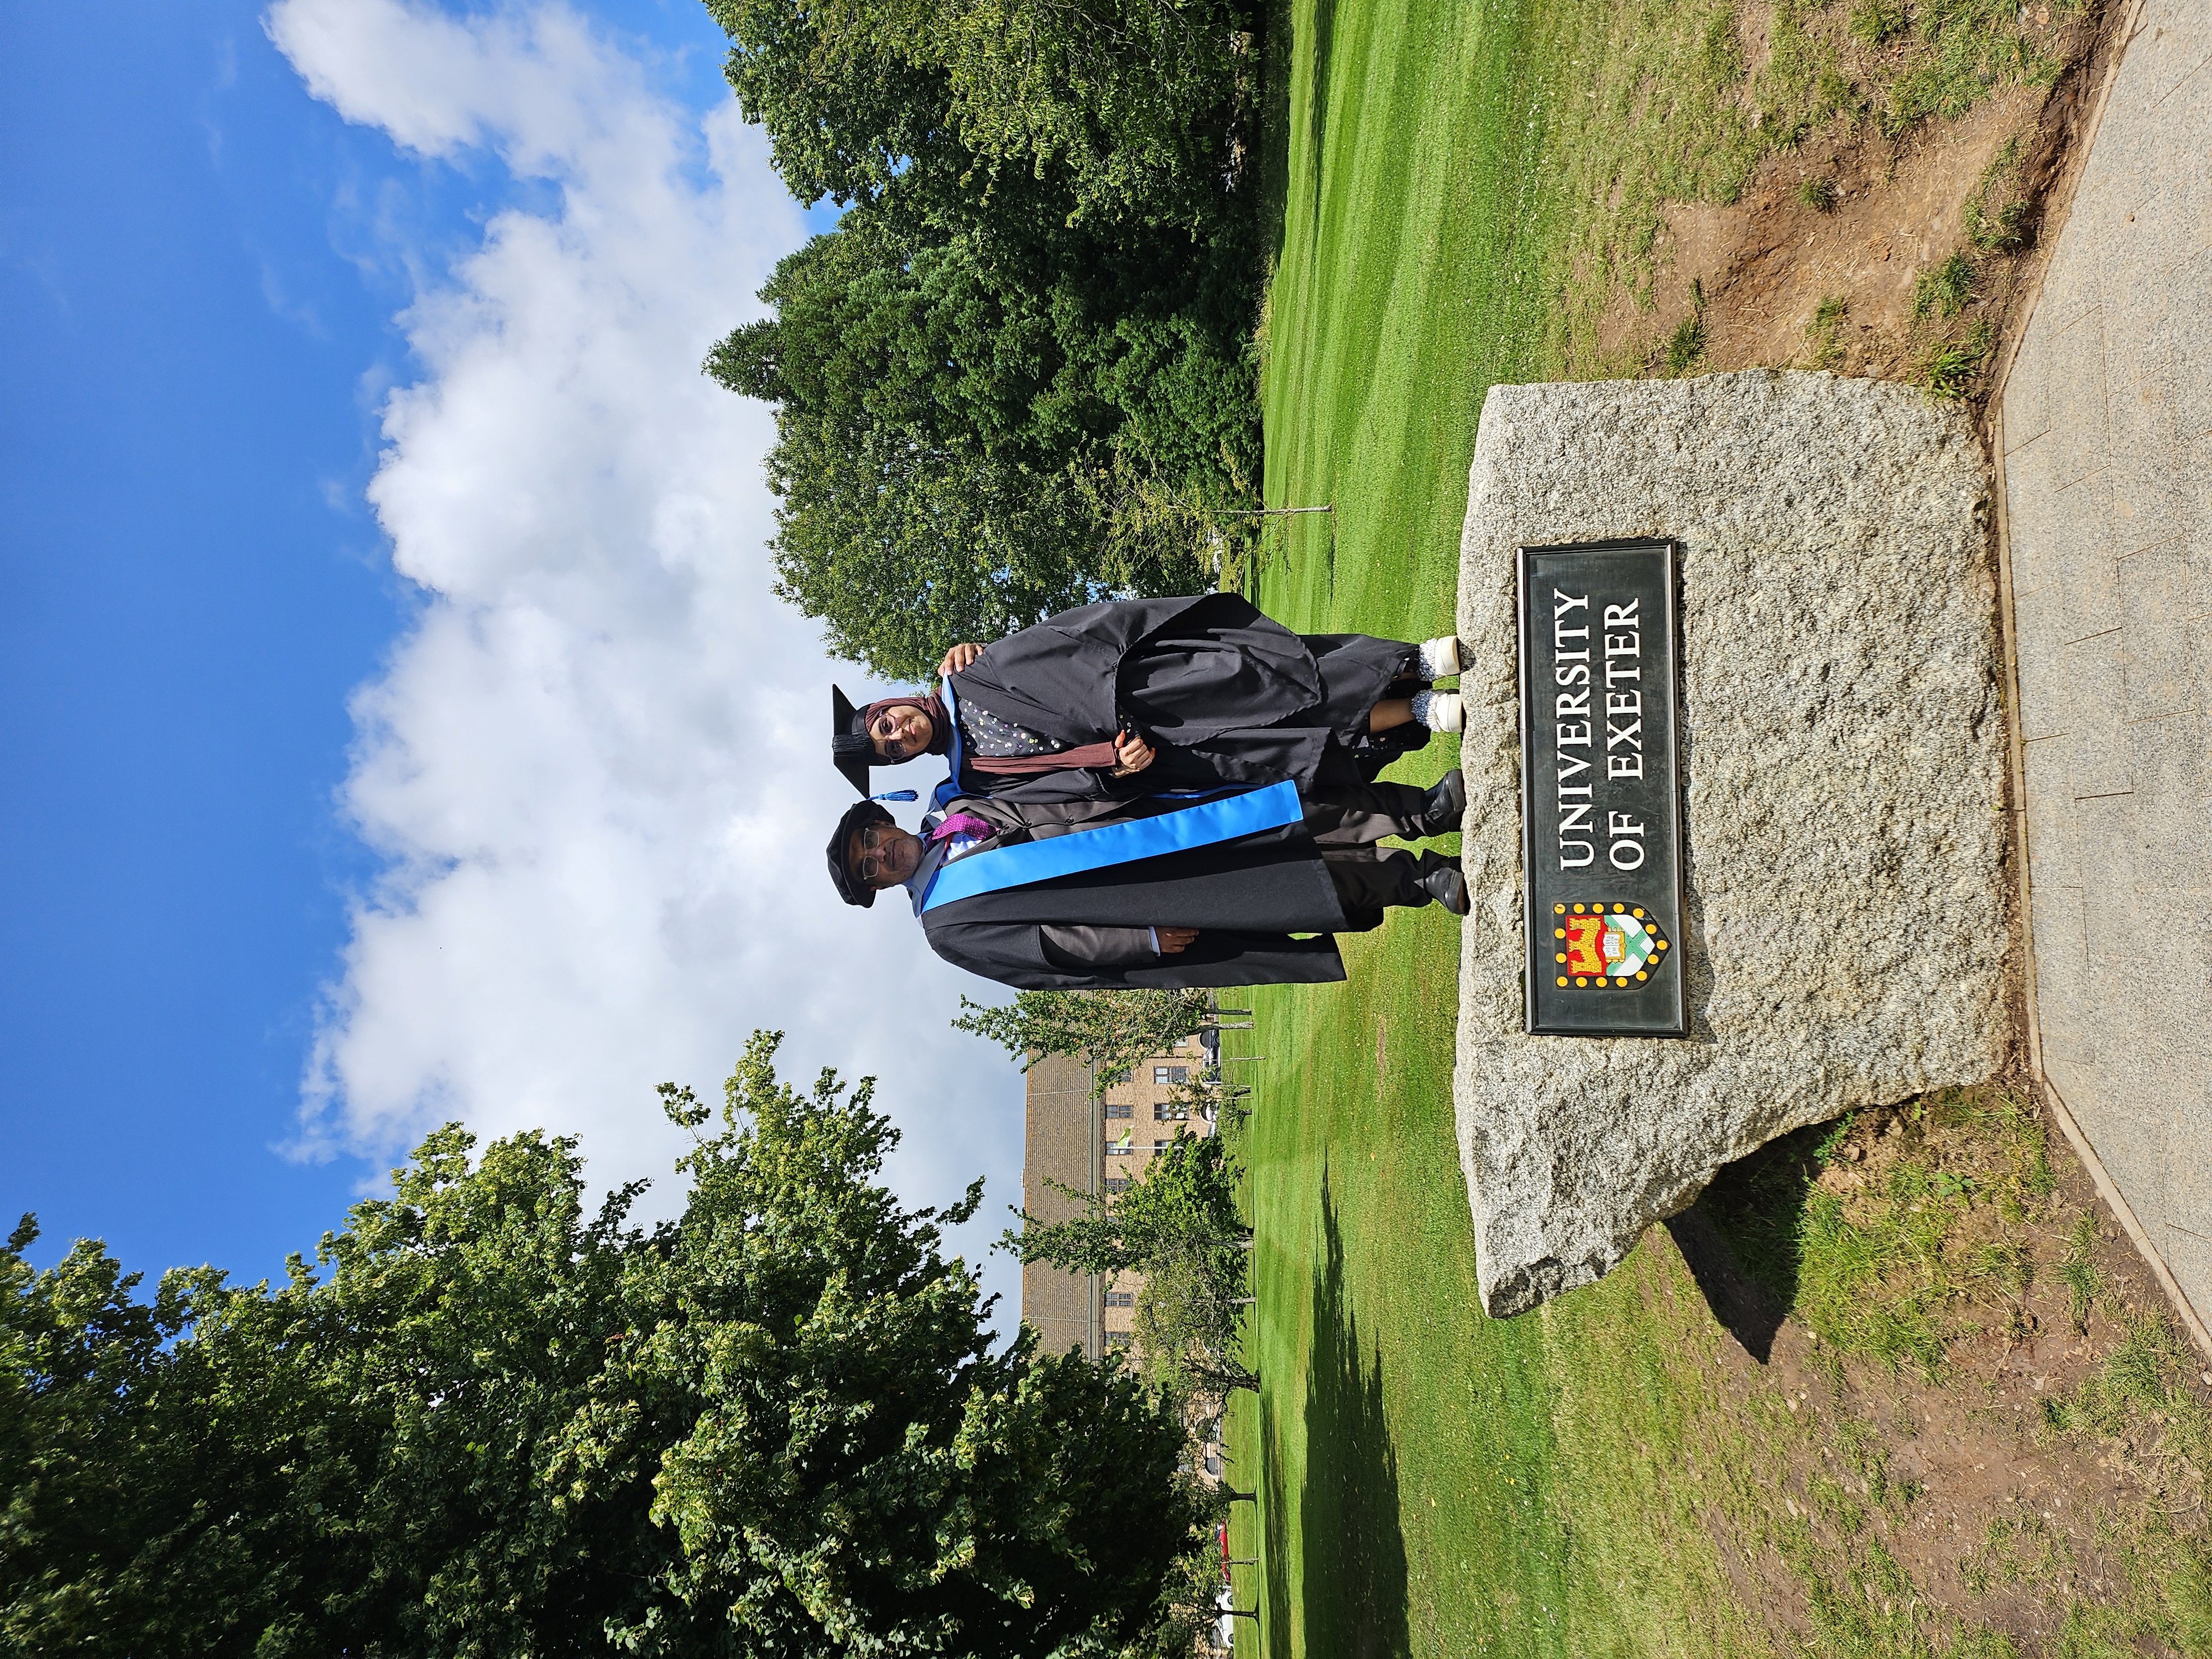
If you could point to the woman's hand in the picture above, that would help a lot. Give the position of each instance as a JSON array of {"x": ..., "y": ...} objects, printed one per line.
[
  {"x": 1133, "y": 751},
  {"x": 958, "y": 658}
]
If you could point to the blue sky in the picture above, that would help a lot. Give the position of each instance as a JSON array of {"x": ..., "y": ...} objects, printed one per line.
[{"x": 396, "y": 723}]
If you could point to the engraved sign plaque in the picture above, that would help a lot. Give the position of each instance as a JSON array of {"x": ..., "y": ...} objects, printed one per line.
[{"x": 1600, "y": 807}]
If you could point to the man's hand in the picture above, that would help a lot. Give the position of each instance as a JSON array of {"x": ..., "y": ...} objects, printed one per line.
[
  {"x": 958, "y": 658},
  {"x": 1173, "y": 940},
  {"x": 1133, "y": 751}
]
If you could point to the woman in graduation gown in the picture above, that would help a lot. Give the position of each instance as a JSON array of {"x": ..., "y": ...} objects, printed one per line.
[{"x": 1141, "y": 696}]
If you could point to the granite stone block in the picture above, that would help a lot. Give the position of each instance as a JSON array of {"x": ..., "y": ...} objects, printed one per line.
[{"x": 1844, "y": 774}]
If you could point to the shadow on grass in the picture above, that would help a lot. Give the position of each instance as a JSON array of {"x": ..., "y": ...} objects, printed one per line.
[
  {"x": 1743, "y": 1240},
  {"x": 1324, "y": 38},
  {"x": 1353, "y": 1588},
  {"x": 1271, "y": 139}
]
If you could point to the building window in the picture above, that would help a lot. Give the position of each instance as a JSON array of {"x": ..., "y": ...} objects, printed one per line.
[
  {"x": 1119, "y": 1108},
  {"x": 1118, "y": 1339},
  {"x": 1117, "y": 1183},
  {"x": 1164, "y": 1075},
  {"x": 1159, "y": 1146},
  {"x": 1113, "y": 1077},
  {"x": 1171, "y": 1111},
  {"x": 1120, "y": 1299}
]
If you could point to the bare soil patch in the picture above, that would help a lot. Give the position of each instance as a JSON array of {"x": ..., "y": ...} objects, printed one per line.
[
  {"x": 1859, "y": 220},
  {"x": 1979, "y": 1496}
]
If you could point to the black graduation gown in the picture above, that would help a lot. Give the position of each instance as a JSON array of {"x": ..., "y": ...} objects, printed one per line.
[
  {"x": 1226, "y": 696},
  {"x": 1246, "y": 897}
]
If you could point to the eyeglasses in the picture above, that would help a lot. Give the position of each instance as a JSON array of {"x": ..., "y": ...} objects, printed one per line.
[
  {"x": 873, "y": 841},
  {"x": 883, "y": 732}
]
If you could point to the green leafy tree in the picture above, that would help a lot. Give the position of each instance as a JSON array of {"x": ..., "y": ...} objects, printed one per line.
[
  {"x": 1017, "y": 376},
  {"x": 1186, "y": 1201},
  {"x": 861, "y": 1468},
  {"x": 1139, "y": 104},
  {"x": 1178, "y": 1226},
  {"x": 497, "y": 1424},
  {"x": 1108, "y": 1030},
  {"x": 961, "y": 424},
  {"x": 1188, "y": 1318}
]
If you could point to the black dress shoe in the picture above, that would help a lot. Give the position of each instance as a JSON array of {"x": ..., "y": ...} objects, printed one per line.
[
  {"x": 1444, "y": 809},
  {"x": 1440, "y": 879}
]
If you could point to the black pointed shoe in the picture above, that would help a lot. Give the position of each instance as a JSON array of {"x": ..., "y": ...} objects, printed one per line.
[
  {"x": 1440, "y": 879},
  {"x": 1444, "y": 809}
]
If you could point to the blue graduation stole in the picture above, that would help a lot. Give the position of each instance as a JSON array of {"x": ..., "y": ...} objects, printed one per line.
[{"x": 1230, "y": 818}]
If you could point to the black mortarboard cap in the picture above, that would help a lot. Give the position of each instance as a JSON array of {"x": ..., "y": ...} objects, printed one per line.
[{"x": 849, "y": 748}]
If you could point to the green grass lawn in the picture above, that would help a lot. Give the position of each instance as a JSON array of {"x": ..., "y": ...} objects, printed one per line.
[{"x": 1459, "y": 189}]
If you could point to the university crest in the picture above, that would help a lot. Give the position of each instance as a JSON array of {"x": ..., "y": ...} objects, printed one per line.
[{"x": 1602, "y": 945}]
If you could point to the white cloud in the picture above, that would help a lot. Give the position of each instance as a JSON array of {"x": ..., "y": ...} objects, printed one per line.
[{"x": 595, "y": 765}]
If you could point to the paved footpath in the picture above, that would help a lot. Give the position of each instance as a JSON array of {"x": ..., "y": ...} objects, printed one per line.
[{"x": 2106, "y": 431}]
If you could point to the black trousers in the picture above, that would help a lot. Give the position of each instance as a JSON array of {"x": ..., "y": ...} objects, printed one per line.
[{"x": 1345, "y": 820}]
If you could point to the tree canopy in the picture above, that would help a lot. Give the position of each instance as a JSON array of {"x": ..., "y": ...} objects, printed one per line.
[
  {"x": 1131, "y": 104},
  {"x": 1108, "y": 1030},
  {"x": 1186, "y": 1201},
  {"x": 1016, "y": 375},
  {"x": 1178, "y": 1226},
  {"x": 489, "y": 1421}
]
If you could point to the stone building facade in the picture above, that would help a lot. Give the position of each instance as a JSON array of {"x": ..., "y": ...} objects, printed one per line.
[{"x": 1099, "y": 1145}]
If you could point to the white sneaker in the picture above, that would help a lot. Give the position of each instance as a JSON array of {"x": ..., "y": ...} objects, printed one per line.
[
  {"x": 1440, "y": 711},
  {"x": 1441, "y": 659}
]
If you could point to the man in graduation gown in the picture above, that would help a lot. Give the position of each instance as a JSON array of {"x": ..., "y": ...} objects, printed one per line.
[
  {"x": 1143, "y": 696},
  {"x": 1157, "y": 891}
]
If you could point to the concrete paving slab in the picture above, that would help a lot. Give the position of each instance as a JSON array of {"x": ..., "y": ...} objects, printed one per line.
[
  {"x": 2135, "y": 1156},
  {"x": 2108, "y": 524},
  {"x": 2187, "y": 132},
  {"x": 2090, "y": 671},
  {"x": 2039, "y": 624},
  {"x": 2047, "y": 766},
  {"x": 2196, "y": 525},
  {"x": 2029, "y": 417},
  {"x": 2078, "y": 417},
  {"x": 2145, "y": 491},
  {"x": 2158, "y": 666},
  {"x": 2168, "y": 770},
  {"x": 2188, "y": 318},
  {"x": 2081, "y": 519},
  {"x": 2172, "y": 40},
  {"x": 2187, "y": 1254}
]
